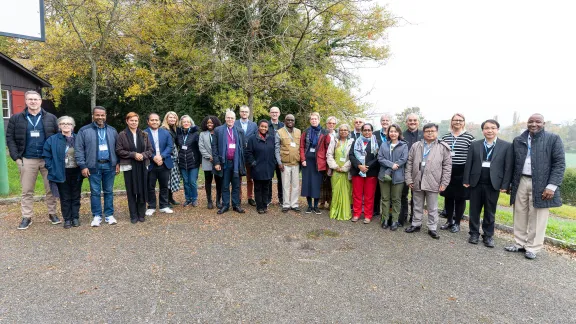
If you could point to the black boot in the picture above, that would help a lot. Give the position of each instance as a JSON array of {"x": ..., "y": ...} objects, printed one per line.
[
  {"x": 210, "y": 204},
  {"x": 219, "y": 200},
  {"x": 171, "y": 200}
]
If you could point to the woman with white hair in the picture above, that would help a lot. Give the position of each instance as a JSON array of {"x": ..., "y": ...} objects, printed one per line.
[
  {"x": 189, "y": 158},
  {"x": 456, "y": 194},
  {"x": 63, "y": 171}
]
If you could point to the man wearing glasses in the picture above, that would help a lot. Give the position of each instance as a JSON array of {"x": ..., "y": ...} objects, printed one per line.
[
  {"x": 250, "y": 128},
  {"x": 411, "y": 135},
  {"x": 358, "y": 123},
  {"x": 274, "y": 124},
  {"x": 27, "y": 131}
]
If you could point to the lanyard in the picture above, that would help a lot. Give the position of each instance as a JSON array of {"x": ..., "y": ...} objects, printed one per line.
[
  {"x": 37, "y": 121},
  {"x": 291, "y": 138},
  {"x": 231, "y": 134},
  {"x": 454, "y": 140},
  {"x": 188, "y": 132},
  {"x": 488, "y": 150},
  {"x": 529, "y": 142},
  {"x": 343, "y": 148},
  {"x": 103, "y": 138},
  {"x": 426, "y": 152},
  {"x": 383, "y": 137}
]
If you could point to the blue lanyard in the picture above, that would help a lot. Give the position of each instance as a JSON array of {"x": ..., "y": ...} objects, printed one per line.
[
  {"x": 529, "y": 145},
  {"x": 429, "y": 148},
  {"x": 103, "y": 138},
  {"x": 454, "y": 140},
  {"x": 488, "y": 150},
  {"x": 186, "y": 137},
  {"x": 383, "y": 137},
  {"x": 37, "y": 121}
]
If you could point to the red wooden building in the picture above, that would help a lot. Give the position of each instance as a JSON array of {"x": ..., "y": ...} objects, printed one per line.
[{"x": 16, "y": 80}]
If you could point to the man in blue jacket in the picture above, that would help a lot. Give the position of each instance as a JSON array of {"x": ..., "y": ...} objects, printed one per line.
[
  {"x": 274, "y": 124},
  {"x": 249, "y": 127},
  {"x": 25, "y": 137},
  {"x": 539, "y": 165},
  {"x": 228, "y": 154},
  {"x": 159, "y": 168},
  {"x": 95, "y": 151}
]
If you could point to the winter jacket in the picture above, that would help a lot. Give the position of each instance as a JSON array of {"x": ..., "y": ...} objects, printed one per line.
[
  {"x": 86, "y": 146},
  {"x": 399, "y": 156},
  {"x": 438, "y": 167},
  {"x": 548, "y": 166},
  {"x": 260, "y": 156},
  {"x": 189, "y": 158},
  {"x": 54, "y": 154},
  {"x": 17, "y": 127},
  {"x": 321, "y": 148}
]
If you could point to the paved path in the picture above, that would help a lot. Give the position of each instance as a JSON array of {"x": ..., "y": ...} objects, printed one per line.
[{"x": 196, "y": 266}]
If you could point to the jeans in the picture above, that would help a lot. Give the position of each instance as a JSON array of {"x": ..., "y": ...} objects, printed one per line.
[
  {"x": 227, "y": 180},
  {"x": 102, "y": 180},
  {"x": 162, "y": 175},
  {"x": 190, "y": 178},
  {"x": 70, "y": 194}
]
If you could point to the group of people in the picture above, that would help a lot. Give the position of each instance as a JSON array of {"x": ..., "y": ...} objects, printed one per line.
[{"x": 354, "y": 171}]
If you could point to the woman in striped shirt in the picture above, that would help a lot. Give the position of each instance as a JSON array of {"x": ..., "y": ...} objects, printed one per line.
[{"x": 456, "y": 194}]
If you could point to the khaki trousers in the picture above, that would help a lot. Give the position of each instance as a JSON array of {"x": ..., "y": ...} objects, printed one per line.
[
  {"x": 529, "y": 222},
  {"x": 290, "y": 186},
  {"x": 431, "y": 199},
  {"x": 29, "y": 169}
]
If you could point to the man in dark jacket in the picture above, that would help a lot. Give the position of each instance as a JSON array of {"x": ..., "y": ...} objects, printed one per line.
[
  {"x": 275, "y": 124},
  {"x": 95, "y": 152},
  {"x": 539, "y": 165},
  {"x": 249, "y": 127},
  {"x": 487, "y": 173},
  {"x": 411, "y": 135},
  {"x": 27, "y": 131},
  {"x": 228, "y": 154}
]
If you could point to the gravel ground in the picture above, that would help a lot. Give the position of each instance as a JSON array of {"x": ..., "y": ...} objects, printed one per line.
[{"x": 196, "y": 266}]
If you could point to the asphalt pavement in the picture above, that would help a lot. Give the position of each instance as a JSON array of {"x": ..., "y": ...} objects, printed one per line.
[{"x": 195, "y": 266}]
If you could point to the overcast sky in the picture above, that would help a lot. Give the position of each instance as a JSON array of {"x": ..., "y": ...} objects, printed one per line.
[{"x": 480, "y": 58}]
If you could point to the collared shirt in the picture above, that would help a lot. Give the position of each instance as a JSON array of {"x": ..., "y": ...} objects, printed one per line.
[
  {"x": 155, "y": 139},
  {"x": 244, "y": 125},
  {"x": 35, "y": 136},
  {"x": 101, "y": 133},
  {"x": 230, "y": 140}
]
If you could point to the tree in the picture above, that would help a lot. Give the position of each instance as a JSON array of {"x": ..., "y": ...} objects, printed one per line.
[{"x": 401, "y": 116}]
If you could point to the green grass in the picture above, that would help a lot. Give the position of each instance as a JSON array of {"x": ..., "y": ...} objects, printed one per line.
[{"x": 561, "y": 229}]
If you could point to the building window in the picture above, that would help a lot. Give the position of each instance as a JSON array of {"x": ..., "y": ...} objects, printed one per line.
[{"x": 5, "y": 104}]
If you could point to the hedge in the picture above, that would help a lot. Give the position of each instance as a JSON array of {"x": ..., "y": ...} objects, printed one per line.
[{"x": 568, "y": 189}]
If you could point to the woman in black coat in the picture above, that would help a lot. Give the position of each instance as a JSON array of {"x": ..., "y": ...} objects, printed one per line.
[
  {"x": 260, "y": 155},
  {"x": 189, "y": 158}
]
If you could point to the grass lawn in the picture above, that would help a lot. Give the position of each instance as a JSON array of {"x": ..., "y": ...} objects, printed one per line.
[
  {"x": 564, "y": 211},
  {"x": 561, "y": 229}
]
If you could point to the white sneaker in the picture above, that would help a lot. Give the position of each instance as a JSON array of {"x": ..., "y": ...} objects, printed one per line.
[
  {"x": 96, "y": 221},
  {"x": 111, "y": 220},
  {"x": 150, "y": 212},
  {"x": 167, "y": 210}
]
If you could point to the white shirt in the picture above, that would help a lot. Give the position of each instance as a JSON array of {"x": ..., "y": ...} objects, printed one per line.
[{"x": 155, "y": 138}]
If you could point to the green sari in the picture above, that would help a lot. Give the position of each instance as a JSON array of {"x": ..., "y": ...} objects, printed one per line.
[{"x": 341, "y": 187}]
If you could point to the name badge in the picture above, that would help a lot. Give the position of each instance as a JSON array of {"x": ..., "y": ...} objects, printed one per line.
[
  {"x": 486, "y": 164},
  {"x": 103, "y": 147},
  {"x": 184, "y": 147},
  {"x": 232, "y": 146},
  {"x": 423, "y": 163},
  {"x": 34, "y": 133},
  {"x": 66, "y": 160},
  {"x": 293, "y": 144},
  {"x": 343, "y": 159},
  {"x": 312, "y": 150},
  {"x": 452, "y": 153}
]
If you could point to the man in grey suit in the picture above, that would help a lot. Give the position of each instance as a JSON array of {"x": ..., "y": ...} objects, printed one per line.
[{"x": 487, "y": 173}]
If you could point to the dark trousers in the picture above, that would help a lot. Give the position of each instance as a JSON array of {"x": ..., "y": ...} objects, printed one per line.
[
  {"x": 279, "y": 184},
  {"x": 454, "y": 209},
  {"x": 377, "y": 198},
  {"x": 229, "y": 179},
  {"x": 70, "y": 194},
  {"x": 483, "y": 195},
  {"x": 136, "y": 202},
  {"x": 403, "y": 219},
  {"x": 162, "y": 174},
  {"x": 262, "y": 193},
  {"x": 208, "y": 176}
]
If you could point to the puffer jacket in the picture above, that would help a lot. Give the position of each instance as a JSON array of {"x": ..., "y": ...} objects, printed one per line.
[
  {"x": 548, "y": 166},
  {"x": 438, "y": 167},
  {"x": 399, "y": 156},
  {"x": 16, "y": 131},
  {"x": 190, "y": 158}
]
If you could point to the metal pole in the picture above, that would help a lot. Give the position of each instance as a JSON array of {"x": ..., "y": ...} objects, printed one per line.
[{"x": 4, "y": 187}]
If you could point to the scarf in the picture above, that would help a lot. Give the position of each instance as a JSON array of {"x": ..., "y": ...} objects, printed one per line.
[
  {"x": 139, "y": 171},
  {"x": 360, "y": 149},
  {"x": 313, "y": 135}
]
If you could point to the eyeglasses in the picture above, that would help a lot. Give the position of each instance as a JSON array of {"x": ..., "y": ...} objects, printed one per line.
[
  {"x": 65, "y": 124},
  {"x": 33, "y": 99},
  {"x": 430, "y": 131},
  {"x": 331, "y": 123},
  {"x": 490, "y": 128},
  {"x": 357, "y": 122},
  {"x": 366, "y": 130},
  {"x": 458, "y": 120}
]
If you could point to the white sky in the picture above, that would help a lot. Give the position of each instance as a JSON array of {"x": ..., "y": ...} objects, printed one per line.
[{"x": 480, "y": 58}]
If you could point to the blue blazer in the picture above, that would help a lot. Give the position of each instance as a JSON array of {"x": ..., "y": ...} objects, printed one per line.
[
  {"x": 250, "y": 130},
  {"x": 166, "y": 146}
]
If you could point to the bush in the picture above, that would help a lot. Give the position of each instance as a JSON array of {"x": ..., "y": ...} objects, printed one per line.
[{"x": 568, "y": 189}]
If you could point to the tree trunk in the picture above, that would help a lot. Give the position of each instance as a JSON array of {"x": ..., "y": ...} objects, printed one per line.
[{"x": 94, "y": 79}]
